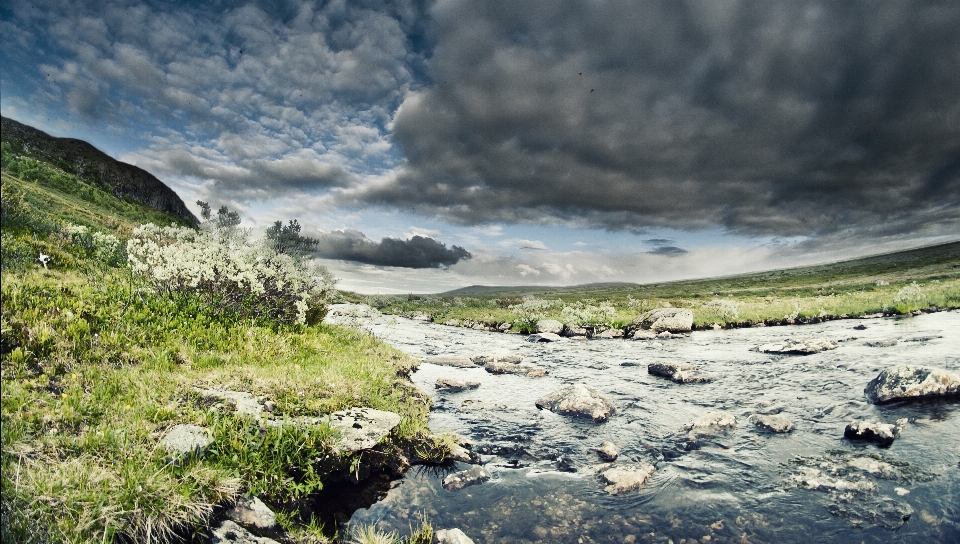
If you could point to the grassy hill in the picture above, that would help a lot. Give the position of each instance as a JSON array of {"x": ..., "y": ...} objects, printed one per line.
[
  {"x": 98, "y": 363},
  {"x": 923, "y": 279}
]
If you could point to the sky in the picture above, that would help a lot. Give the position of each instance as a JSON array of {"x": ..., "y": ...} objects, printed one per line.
[{"x": 435, "y": 145}]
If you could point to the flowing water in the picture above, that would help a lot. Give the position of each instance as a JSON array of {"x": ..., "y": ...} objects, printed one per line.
[{"x": 745, "y": 485}]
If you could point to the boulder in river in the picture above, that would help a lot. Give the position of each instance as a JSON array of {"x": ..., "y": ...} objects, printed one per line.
[
  {"x": 454, "y": 386},
  {"x": 663, "y": 319},
  {"x": 612, "y": 332},
  {"x": 677, "y": 372},
  {"x": 450, "y": 360},
  {"x": 802, "y": 346},
  {"x": 578, "y": 400},
  {"x": 544, "y": 337},
  {"x": 912, "y": 382},
  {"x": 473, "y": 476},
  {"x": 499, "y": 358},
  {"x": 773, "y": 424},
  {"x": 882, "y": 433},
  {"x": 608, "y": 452},
  {"x": 451, "y": 536},
  {"x": 514, "y": 368},
  {"x": 551, "y": 326},
  {"x": 641, "y": 334},
  {"x": 626, "y": 478}
]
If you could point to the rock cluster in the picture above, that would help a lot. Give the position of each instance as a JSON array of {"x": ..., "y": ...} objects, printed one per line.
[
  {"x": 626, "y": 478},
  {"x": 580, "y": 401},
  {"x": 672, "y": 320},
  {"x": 803, "y": 346},
  {"x": 473, "y": 476}
]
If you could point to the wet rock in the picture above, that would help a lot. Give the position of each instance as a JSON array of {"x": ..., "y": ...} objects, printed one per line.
[
  {"x": 453, "y": 386},
  {"x": 422, "y": 317},
  {"x": 882, "y": 433},
  {"x": 551, "y": 326},
  {"x": 663, "y": 319},
  {"x": 610, "y": 333},
  {"x": 451, "y": 536},
  {"x": 711, "y": 422},
  {"x": 641, "y": 334},
  {"x": 187, "y": 440},
  {"x": 819, "y": 480},
  {"x": 626, "y": 478},
  {"x": 773, "y": 424},
  {"x": 472, "y": 476},
  {"x": 887, "y": 512},
  {"x": 578, "y": 400},
  {"x": 251, "y": 513},
  {"x": 463, "y": 452},
  {"x": 803, "y": 346},
  {"x": 471, "y": 405},
  {"x": 239, "y": 401},
  {"x": 571, "y": 331},
  {"x": 513, "y": 368},
  {"x": 449, "y": 360},
  {"x": 677, "y": 372},
  {"x": 565, "y": 464},
  {"x": 544, "y": 337},
  {"x": 860, "y": 327},
  {"x": 881, "y": 343},
  {"x": 500, "y": 358},
  {"x": 362, "y": 428},
  {"x": 608, "y": 452},
  {"x": 230, "y": 532},
  {"x": 912, "y": 382}
]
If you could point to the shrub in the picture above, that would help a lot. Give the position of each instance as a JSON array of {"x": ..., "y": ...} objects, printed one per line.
[
  {"x": 908, "y": 298},
  {"x": 727, "y": 309},
  {"x": 530, "y": 311},
  {"x": 103, "y": 248},
  {"x": 221, "y": 265},
  {"x": 584, "y": 314}
]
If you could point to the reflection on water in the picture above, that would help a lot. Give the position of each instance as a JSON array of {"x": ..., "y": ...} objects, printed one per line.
[{"x": 739, "y": 486}]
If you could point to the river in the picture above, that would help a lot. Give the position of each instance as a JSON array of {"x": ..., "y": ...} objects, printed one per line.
[{"x": 745, "y": 485}]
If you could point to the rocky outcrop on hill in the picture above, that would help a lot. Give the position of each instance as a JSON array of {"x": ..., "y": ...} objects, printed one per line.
[{"x": 95, "y": 167}]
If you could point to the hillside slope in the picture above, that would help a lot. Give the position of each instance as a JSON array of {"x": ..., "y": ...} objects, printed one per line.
[{"x": 93, "y": 166}]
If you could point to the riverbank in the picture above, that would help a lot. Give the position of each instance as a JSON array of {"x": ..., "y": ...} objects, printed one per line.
[{"x": 98, "y": 370}]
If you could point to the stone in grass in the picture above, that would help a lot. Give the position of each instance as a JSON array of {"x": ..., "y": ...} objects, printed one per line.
[
  {"x": 187, "y": 440},
  {"x": 677, "y": 372},
  {"x": 454, "y": 386},
  {"x": 773, "y": 424},
  {"x": 252, "y": 514},
  {"x": 804, "y": 346},
  {"x": 451, "y": 536},
  {"x": 912, "y": 382},
  {"x": 241, "y": 401},
  {"x": 362, "y": 428},
  {"x": 473, "y": 476},
  {"x": 230, "y": 532},
  {"x": 580, "y": 401},
  {"x": 512, "y": 368},
  {"x": 450, "y": 360},
  {"x": 883, "y": 434},
  {"x": 608, "y": 452},
  {"x": 626, "y": 478}
]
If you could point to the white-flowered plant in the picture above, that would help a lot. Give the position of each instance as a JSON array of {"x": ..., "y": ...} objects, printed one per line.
[
  {"x": 583, "y": 314},
  {"x": 909, "y": 295},
  {"x": 231, "y": 272},
  {"x": 727, "y": 309},
  {"x": 103, "y": 248},
  {"x": 532, "y": 310}
]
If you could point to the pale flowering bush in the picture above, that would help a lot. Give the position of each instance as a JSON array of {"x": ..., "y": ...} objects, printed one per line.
[
  {"x": 582, "y": 314},
  {"x": 909, "y": 297},
  {"x": 727, "y": 309},
  {"x": 103, "y": 248},
  {"x": 228, "y": 271},
  {"x": 532, "y": 310}
]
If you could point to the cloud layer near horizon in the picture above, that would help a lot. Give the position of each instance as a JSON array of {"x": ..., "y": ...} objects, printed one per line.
[
  {"x": 415, "y": 252},
  {"x": 772, "y": 118}
]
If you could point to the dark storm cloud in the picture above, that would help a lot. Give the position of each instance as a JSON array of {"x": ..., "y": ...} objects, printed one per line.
[
  {"x": 787, "y": 118},
  {"x": 668, "y": 251},
  {"x": 416, "y": 252}
]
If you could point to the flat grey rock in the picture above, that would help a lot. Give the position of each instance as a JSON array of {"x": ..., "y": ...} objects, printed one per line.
[
  {"x": 473, "y": 476},
  {"x": 912, "y": 382},
  {"x": 240, "y": 401},
  {"x": 711, "y": 422},
  {"x": 252, "y": 513},
  {"x": 450, "y": 360},
  {"x": 883, "y": 434},
  {"x": 453, "y": 385},
  {"x": 229, "y": 532},
  {"x": 804, "y": 346},
  {"x": 187, "y": 439},
  {"x": 451, "y": 536},
  {"x": 544, "y": 337},
  {"x": 580, "y": 401},
  {"x": 678, "y": 372},
  {"x": 498, "y": 358},
  {"x": 513, "y": 368},
  {"x": 773, "y": 424},
  {"x": 362, "y": 428}
]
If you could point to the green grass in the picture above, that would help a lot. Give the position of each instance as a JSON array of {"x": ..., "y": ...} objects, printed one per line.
[
  {"x": 96, "y": 366},
  {"x": 851, "y": 288}
]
